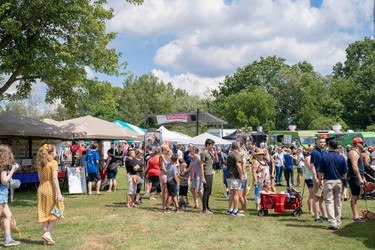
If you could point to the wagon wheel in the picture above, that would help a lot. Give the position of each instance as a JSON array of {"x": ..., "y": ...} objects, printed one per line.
[
  {"x": 297, "y": 212},
  {"x": 261, "y": 212},
  {"x": 265, "y": 212}
]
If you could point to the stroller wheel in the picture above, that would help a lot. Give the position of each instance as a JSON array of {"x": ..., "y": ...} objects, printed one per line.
[
  {"x": 297, "y": 212},
  {"x": 261, "y": 212}
]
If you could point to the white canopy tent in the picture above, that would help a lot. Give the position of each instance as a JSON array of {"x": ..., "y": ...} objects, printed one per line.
[
  {"x": 201, "y": 139},
  {"x": 173, "y": 136},
  {"x": 88, "y": 127}
]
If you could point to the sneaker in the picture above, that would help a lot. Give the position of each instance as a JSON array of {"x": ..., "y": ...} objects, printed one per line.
[
  {"x": 325, "y": 218},
  {"x": 332, "y": 228},
  {"x": 359, "y": 219},
  {"x": 187, "y": 204},
  {"x": 238, "y": 214},
  {"x": 179, "y": 211},
  {"x": 206, "y": 211},
  {"x": 10, "y": 243},
  {"x": 225, "y": 194},
  {"x": 229, "y": 212},
  {"x": 318, "y": 220}
]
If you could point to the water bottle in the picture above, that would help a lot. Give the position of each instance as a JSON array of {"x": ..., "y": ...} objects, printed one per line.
[{"x": 256, "y": 190}]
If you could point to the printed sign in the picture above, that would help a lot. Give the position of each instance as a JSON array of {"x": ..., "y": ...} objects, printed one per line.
[
  {"x": 172, "y": 118},
  {"x": 77, "y": 180}
]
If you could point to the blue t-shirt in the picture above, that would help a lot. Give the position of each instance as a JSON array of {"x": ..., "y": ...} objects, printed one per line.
[
  {"x": 288, "y": 161},
  {"x": 171, "y": 171},
  {"x": 91, "y": 158},
  {"x": 333, "y": 166},
  {"x": 316, "y": 158}
]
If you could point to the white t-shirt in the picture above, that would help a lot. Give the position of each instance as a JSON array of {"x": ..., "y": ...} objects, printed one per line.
[{"x": 300, "y": 162}]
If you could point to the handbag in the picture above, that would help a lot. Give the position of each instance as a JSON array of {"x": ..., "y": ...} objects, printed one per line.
[{"x": 58, "y": 210}]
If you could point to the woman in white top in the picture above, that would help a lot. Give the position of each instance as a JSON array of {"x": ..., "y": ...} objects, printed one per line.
[
  {"x": 300, "y": 165},
  {"x": 309, "y": 181}
]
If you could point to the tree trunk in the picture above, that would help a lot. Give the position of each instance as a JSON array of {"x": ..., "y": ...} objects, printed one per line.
[{"x": 10, "y": 81}]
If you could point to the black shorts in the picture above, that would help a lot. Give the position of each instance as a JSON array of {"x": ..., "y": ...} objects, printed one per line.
[
  {"x": 309, "y": 183},
  {"x": 183, "y": 190},
  {"x": 171, "y": 186},
  {"x": 355, "y": 186},
  {"x": 155, "y": 183},
  {"x": 94, "y": 177}
]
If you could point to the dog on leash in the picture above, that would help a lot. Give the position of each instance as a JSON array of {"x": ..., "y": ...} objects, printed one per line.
[
  {"x": 182, "y": 204},
  {"x": 367, "y": 214},
  {"x": 13, "y": 226}
]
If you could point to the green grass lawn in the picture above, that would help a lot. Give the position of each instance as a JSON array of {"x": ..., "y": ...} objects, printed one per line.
[{"x": 103, "y": 222}]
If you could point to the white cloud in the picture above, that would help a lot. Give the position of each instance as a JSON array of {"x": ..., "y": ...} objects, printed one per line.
[
  {"x": 193, "y": 84},
  {"x": 211, "y": 38}
]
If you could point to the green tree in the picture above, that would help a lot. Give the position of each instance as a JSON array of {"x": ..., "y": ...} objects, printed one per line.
[
  {"x": 354, "y": 82},
  {"x": 250, "y": 108},
  {"x": 54, "y": 41}
]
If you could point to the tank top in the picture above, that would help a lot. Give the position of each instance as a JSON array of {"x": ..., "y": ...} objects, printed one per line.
[
  {"x": 196, "y": 166},
  {"x": 153, "y": 166},
  {"x": 361, "y": 167}
]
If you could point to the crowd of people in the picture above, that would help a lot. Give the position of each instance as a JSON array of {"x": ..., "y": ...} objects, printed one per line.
[{"x": 169, "y": 170}]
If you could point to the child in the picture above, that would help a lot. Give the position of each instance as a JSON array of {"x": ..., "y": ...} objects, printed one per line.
[
  {"x": 7, "y": 171},
  {"x": 184, "y": 182},
  {"x": 172, "y": 180},
  {"x": 266, "y": 188}
]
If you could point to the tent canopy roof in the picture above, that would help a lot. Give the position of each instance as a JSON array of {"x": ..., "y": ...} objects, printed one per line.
[
  {"x": 12, "y": 124},
  {"x": 201, "y": 139},
  {"x": 168, "y": 135},
  {"x": 88, "y": 127}
]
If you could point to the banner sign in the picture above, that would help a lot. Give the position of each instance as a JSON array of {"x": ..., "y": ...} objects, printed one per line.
[{"x": 172, "y": 118}]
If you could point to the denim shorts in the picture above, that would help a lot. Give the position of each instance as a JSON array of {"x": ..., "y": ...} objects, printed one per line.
[{"x": 111, "y": 175}]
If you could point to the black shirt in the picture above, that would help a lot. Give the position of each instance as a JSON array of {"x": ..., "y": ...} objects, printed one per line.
[{"x": 130, "y": 164}]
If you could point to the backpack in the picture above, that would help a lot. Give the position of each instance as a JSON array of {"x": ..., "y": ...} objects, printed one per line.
[{"x": 113, "y": 164}]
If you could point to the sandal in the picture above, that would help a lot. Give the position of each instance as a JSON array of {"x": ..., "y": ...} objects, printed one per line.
[{"x": 48, "y": 240}]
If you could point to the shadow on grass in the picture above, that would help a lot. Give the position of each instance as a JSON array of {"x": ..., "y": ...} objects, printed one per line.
[
  {"x": 32, "y": 242},
  {"x": 363, "y": 232}
]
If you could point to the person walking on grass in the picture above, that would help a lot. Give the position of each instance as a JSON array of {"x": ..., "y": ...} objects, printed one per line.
[
  {"x": 92, "y": 159},
  {"x": 315, "y": 162},
  {"x": 48, "y": 191},
  {"x": 111, "y": 166},
  {"x": 131, "y": 168},
  {"x": 333, "y": 170},
  {"x": 234, "y": 178},
  {"x": 197, "y": 175},
  {"x": 261, "y": 174},
  {"x": 8, "y": 167},
  {"x": 309, "y": 181},
  {"x": 208, "y": 157},
  {"x": 172, "y": 180},
  {"x": 356, "y": 179}
]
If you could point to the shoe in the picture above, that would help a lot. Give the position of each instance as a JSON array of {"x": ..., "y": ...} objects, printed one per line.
[
  {"x": 359, "y": 219},
  {"x": 11, "y": 243},
  {"x": 187, "y": 204},
  {"x": 325, "y": 218},
  {"x": 332, "y": 228},
  {"x": 318, "y": 220},
  {"x": 180, "y": 211},
  {"x": 48, "y": 239},
  {"x": 207, "y": 212},
  {"x": 229, "y": 212},
  {"x": 238, "y": 214},
  {"x": 152, "y": 198},
  {"x": 225, "y": 194}
]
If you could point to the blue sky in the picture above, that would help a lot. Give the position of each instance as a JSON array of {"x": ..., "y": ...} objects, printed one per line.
[{"x": 194, "y": 44}]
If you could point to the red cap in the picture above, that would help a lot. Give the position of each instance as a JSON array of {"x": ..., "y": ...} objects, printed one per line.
[{"x": 357, "y": 140}]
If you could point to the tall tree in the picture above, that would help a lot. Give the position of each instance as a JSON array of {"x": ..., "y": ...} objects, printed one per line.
[{"x": 53, "y": 41}]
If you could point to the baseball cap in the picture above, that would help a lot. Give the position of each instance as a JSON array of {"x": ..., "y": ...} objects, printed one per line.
[
  {"x": 357, "y": 140},
  {"x": 235, "y": 144},
  {"x": 333, "y": 143}
]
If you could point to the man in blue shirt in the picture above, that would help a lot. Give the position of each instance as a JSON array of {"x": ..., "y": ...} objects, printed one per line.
[
  {"x": 315, "y": 162},
  {"x": 334, "y": 169},
  {"x": 92, "y": 159}
]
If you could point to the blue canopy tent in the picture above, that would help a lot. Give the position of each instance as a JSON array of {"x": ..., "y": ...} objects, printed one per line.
[{"x": 130, "y": 126}]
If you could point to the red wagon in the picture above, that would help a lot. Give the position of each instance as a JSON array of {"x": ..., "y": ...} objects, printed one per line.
[{"x": 280, "y": 203}]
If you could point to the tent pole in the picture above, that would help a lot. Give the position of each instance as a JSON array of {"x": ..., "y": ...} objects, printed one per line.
[{"x": 197, "y": 128}]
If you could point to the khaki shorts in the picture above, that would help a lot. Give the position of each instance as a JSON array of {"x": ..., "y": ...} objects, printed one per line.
[{"x": 318, "y": 190}]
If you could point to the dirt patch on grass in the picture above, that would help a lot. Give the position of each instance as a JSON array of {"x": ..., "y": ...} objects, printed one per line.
[{"x": 107, "y": 241}]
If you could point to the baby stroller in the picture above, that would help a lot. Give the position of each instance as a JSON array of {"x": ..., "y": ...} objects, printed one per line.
[
  {"x": 369, "y": 190},
  {"x": 292, "y": 200}
]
